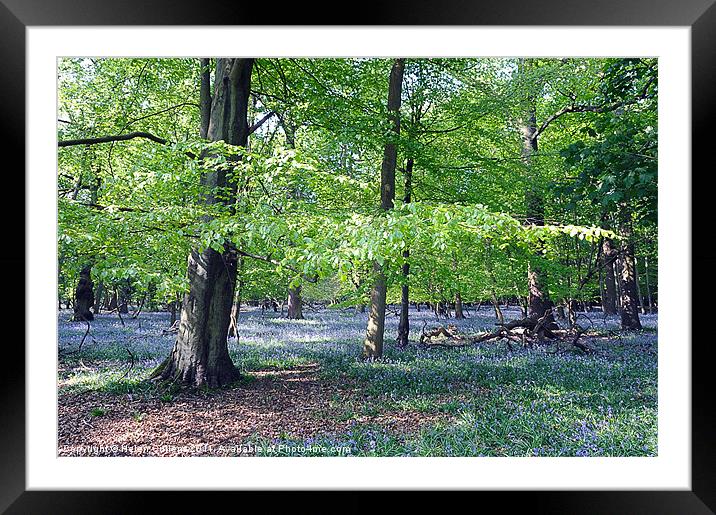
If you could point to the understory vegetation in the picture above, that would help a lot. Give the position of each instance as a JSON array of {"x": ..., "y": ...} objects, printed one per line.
[{"x": 478, "y": 401}]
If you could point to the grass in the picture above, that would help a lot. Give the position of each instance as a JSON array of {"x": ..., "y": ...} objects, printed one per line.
[{"x": 479, "y": 401}]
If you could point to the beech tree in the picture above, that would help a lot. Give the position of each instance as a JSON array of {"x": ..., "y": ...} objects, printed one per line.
[
  {"x": 373, "y": 343},
  {"x": 200, "y": 355}
]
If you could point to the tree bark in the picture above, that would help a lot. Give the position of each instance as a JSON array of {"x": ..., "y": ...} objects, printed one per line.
[
  {"x": 236, "y": 308},
  {"x": 373, "y": 343},
  {"x": 609, "y": 295},
  {"x": 459, "y": 314},
  {"x": 498, "y": 312},
  {"x": 112, "y": 304},
  {"x": 627, "y": 277},
  {"x": 404, "y": 324},
  {"x": 123, "y": 297},
  {"x": 200, "y": 355},
  {"x": 648, "y": 287},
  {"x": 295, "y": 303},
  {"x": 639, "y": 298},
  {"x": 205, "y": 97},
  {"x": 84, "y": 296},
  {"x": 98, "y": 298}
]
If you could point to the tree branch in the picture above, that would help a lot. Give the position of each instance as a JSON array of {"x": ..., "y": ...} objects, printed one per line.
[
  {"x": 593, "y": 108},
  {"x": 109, "y": 139},
  {"x": 259, "y": 123}
]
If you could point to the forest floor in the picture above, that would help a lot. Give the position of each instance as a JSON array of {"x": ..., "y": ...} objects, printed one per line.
[{"x": 305, "y": 392}]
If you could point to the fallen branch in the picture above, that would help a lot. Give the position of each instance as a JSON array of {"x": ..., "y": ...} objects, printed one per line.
[{"x": 525, "y": 331}]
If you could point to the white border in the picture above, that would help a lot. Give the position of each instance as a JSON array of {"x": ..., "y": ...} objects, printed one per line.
[{"x": 670, "y": 470}]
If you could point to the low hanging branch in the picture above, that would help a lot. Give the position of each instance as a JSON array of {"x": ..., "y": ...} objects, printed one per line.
[
  {"x": 109, "y": 139},
  {"x": 141, "y": 134}
]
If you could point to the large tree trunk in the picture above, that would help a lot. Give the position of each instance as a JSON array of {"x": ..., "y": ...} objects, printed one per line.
[
  {"x": 200, "y": 355},
  {"x": 404, "y": 324},
  {"x": 627, "y": 277},
  {"x": 84, "y": 296},
  {"x": 295, "y": 303},
  {"x": 373, "y": 343},
  {"x": 609, "y": 295}
]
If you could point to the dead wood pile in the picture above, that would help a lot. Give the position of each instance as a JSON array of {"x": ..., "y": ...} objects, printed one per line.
[{"x": 528, "y": 332}]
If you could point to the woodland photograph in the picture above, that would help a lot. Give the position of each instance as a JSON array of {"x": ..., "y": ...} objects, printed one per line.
[{"x": 357, "y": 257}]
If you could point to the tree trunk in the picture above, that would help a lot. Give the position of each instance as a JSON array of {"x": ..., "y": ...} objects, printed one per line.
[
  {"x": 538, "y": 299},
  {"x": 498, "y": 312},
  {"x": 404, "y": 324},
  {"x": 205, "y": 97},
  {"x": 172, "y": 313},
  {"x": 373, "y": 343},
  {"x": 123, "y": 297},
  {"x": 236, "y": 308},
  {"x": 459, "y": 315},
  {"x": 295, "y": 303},
  {"x": 648, "y": 287},
  {"x": 84, "y": 296},
  {"x": 627, "y": 278},
  {"x": 98, "y": 298},
  {"x": 112, "y": 305},
  {"x": 200, "y": 355},
  {"x": 639, "y": 298}
]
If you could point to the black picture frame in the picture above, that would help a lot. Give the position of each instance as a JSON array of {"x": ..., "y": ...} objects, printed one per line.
[{"x": 700, "y": 15}]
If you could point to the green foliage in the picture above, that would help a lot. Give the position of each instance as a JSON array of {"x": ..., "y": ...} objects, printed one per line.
[{"x": 304, "y": 197}]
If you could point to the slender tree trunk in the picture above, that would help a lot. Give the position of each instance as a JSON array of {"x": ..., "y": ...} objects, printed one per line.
[
  {"x": 236, "y": 308},
  {"x": 172, "y": 313},
  {"x": 98, "y": 298},
  {"x": 84, "y": 296},
  {"x": 404, "y": 324},
  {"x": 627, "y": 278},
  {"x": 648, "y": 287},
  {"x": 498, "y": 312},
  {"x": 123, "y": 297},
  {"x": 295, "y": 303},
  {"x": 205, "y": 96},
  {"x": 373, "y": 343},
  {"x": 609, "y": 254},
  {"x": 459, "y": 315},
  {"x": 200, "y": 355},
  {"x": 639, "y": 298},
  {"x": 112, "y": 304}
]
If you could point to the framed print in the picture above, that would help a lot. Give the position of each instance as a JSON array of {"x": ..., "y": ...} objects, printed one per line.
[{"x": 330, "y": 182}]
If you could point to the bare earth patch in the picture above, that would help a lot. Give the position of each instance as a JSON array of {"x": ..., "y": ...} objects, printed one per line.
[{"x": 290, "y": 403}]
